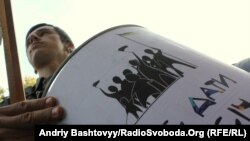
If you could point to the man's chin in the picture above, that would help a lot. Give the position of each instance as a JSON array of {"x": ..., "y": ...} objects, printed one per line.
[{"x": 41, "y": 58}]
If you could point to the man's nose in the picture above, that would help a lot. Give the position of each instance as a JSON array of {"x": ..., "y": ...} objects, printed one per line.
[{"x": 34, "y": 38}]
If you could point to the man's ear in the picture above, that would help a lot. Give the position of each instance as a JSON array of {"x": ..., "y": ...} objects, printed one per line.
[{"x": 69, "y": 47}]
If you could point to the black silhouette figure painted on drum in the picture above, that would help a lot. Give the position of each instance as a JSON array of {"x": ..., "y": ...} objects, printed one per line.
[
  {"x": 152, "y": 63},
  {"x": 149, "y": 72},
  {"x": 126, "y": 71},
  {"x": 166, "y": 62},
  {"x": 134, "y": 92},
  {"x": 142, "y": 89},
  {"x": 125, "y": 100},
  {"x": 125, "y": 84},
  {"x": 126, "y": 88}
]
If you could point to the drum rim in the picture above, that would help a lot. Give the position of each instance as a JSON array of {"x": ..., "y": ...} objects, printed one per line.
[{"x": 79, "y": 48}]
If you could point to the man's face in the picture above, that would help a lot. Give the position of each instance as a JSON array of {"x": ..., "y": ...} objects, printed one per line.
[{"x": 44, "y": 45}]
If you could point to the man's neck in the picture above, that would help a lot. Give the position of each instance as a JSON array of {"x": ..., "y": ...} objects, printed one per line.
[{"x": 47, "y": 71}]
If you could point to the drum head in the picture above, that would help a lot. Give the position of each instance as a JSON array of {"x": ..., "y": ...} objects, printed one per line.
[{"x": 129, "y": 75}]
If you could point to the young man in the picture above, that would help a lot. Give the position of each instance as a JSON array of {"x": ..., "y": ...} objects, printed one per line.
[{"x": 47, "y": 46}]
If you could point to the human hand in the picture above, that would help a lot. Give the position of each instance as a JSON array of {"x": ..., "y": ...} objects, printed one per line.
[{"x": 17, "y": 120}]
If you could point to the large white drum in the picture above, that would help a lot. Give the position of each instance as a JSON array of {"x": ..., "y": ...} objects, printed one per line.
[{"x": 129, "y": 75}]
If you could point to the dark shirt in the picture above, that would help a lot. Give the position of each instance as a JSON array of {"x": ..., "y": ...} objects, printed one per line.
[
  {"x": 244, "y": 64},
  {"x": 32, "y": 92}
]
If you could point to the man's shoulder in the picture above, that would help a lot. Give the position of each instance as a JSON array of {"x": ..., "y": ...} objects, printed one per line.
[{"x": 244, "y": 64}]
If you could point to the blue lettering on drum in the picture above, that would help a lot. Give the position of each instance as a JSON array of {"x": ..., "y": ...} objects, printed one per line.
[
  {"x": 209, "y": 101},
  {"x": 236, "y": 109}
]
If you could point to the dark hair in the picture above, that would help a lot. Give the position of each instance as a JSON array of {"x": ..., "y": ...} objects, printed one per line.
[{"x": 63, "y": 35}]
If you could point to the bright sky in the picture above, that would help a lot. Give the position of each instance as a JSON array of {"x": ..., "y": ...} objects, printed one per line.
[{"x": 218, "y": 28}]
